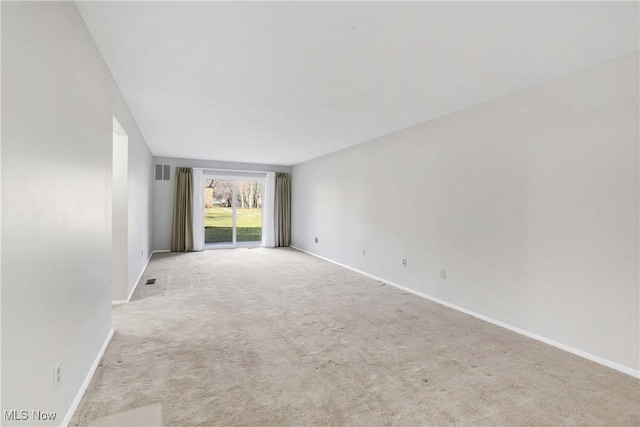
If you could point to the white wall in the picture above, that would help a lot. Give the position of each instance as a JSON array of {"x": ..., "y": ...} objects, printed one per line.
[
  {"x": 163, "y": 192},
  {"x": 140, "y": 188},
  {"x": 530, "y": 203},
  {"x": 119, "y": 212},
  {"x": 58, "y": 103}
]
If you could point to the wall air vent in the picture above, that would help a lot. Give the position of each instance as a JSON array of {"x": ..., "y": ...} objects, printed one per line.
[{"x": 163, "y": 172}]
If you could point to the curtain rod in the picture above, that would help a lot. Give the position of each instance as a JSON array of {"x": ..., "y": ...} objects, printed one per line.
[{"x": 228, "y": 170}]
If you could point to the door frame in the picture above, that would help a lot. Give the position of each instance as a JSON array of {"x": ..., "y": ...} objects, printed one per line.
[{"x": 234, "y": 177}]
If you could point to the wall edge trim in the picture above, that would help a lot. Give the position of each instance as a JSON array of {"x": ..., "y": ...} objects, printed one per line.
[
  {"x": 87, "y": 380},
  {"x": 586, "y": 355}
]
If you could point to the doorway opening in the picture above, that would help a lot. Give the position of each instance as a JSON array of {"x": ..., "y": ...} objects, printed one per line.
[{"x": 119, "y": 213}]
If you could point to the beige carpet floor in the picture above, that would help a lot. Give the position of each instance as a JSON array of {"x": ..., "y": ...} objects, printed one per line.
[{"x": 277, "y": 337}]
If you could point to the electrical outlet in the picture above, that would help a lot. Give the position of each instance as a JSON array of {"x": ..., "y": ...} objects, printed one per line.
[
  {"x": 404, "y": 262},
  {"x": 57, "y": 375},
  {"x": 316, "y": 239},
  {"x": 364, "y": 253},
  {"x": 443, "y": 274},
  {"x": 142, "y": 254}
]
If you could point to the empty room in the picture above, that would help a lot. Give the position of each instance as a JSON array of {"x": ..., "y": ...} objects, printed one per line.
[{"x": 354, "y": 213}]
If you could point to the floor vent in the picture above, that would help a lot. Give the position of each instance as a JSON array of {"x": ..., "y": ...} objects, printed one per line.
[{"x": 150, "y": 282}]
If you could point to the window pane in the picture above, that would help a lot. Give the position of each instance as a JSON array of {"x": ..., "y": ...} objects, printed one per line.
[
  {"x": 249, "y": 212},
  {"x": 218, "y": 211}
]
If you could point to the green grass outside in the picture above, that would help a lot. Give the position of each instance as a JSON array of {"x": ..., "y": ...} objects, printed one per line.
[{"x": 218, "y": 223}]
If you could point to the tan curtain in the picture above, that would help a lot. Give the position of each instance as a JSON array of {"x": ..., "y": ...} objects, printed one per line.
[
  {"x": 182, "y": 236},
  {"x": 283, "y": 209}
]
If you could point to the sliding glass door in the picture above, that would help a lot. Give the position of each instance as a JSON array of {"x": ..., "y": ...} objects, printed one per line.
[
  {"x": 218, "y": 212},
  {"x": 233, "y": 211},
  {"x": 248, "y": 211}
]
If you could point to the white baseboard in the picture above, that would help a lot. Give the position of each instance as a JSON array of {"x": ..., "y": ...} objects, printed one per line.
[
  {"x": 160, "y": 251},
  {"x": 124, "y": 301},
  {"x": 146, "y": 264},
  {"x": 87, "y": 381},
  {"x": 602, "y": 361}
]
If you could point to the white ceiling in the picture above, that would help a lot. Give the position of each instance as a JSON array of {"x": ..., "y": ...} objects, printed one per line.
[{"x": 280, "y": 83}]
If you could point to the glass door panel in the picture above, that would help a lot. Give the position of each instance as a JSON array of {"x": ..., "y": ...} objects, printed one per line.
[
  {"x": 248, "y": 212},
  {"x": 218, "y": 212}
]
